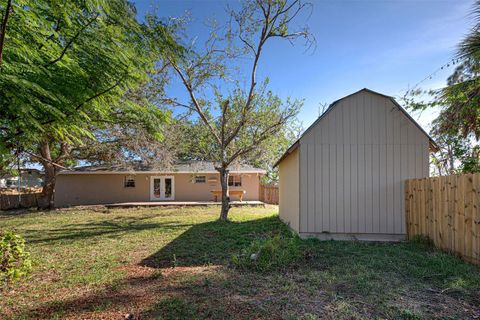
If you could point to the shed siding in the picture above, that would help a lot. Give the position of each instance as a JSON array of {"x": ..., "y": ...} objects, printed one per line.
[
  {"x": 352, "y": 164},
  {"x": 288, "y": 172}
]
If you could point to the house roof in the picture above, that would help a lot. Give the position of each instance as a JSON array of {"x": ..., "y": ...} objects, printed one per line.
[
  {"x": 433, "y": 144},
  {"x": 23, "y": 171},
  {"x": 180, "y": 167}
]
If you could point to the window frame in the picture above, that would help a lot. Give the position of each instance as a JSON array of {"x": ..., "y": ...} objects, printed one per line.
[
  {"x": 236, "y": 180},
  {"x": 127, "y": 181},
  {"x": 200, "y": 182}
]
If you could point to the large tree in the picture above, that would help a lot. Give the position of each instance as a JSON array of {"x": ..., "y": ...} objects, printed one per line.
[
  {"x": 239, "y": 120},
  {"x": 66, "y": 69}
]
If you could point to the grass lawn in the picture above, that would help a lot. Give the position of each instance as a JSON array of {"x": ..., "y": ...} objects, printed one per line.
[{"x": 173, "y": 263}]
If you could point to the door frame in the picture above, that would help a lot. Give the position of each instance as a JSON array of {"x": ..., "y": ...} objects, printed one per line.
[{"x": 162, "y": 188}]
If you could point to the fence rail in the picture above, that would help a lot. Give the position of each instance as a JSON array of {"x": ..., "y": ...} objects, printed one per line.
[
  {"x": 447, "y": 210},
  {"x": 269, "y": 193},
  {"x": 15, "y": 201}
]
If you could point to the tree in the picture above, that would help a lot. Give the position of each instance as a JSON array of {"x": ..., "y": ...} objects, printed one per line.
[
  {"x": 239, "y": 121},
  {"x": 193, "y": 141},
  {"x": 66, "y": 69},
  {"x": 457, "y": 127}
]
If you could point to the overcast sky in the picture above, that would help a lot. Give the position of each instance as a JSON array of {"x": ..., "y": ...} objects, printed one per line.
[{"x": 387, "y": 46}]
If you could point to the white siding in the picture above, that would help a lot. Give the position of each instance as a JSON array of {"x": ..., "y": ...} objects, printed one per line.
[{"x": 352, "y": 166}]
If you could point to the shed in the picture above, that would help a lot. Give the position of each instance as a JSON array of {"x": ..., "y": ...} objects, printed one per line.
[{"x": 343, "y": 178}]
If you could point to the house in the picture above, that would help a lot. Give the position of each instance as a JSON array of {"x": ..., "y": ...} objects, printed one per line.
[
  {"x": 187, "y": 181},
  {"x": 29, "y": 178},
  {"x": 344, "y": 177}
]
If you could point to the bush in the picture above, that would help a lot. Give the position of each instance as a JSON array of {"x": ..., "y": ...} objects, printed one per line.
[
  {"x": 14, "y": 260},
  {"x": 268, "y": 254}
]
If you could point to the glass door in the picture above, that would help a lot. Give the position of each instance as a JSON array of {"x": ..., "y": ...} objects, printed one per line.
[
  {"x": 162, "y": 188},
  {"x": 155, "y": 188},
  {"x": 168, "y": 190}
]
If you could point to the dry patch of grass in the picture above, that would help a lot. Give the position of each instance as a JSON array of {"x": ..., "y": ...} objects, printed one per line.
[{"x": 173, "y": 263}]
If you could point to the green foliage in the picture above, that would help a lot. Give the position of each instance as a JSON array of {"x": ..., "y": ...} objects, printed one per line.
[
  {"x": 72, "y": 67},
  {"x": 268, "y": 254},
  {"x": 14, "y": 260},
  {"x": 457, "y": 127},
  {"x": 195, "y": 141}
]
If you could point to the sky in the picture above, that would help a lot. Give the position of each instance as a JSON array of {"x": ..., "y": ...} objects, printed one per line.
[{"x": 388, "y": 46}]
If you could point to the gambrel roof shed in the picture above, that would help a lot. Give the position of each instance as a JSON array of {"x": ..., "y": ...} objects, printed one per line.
[{"x": 343, "y": 178}]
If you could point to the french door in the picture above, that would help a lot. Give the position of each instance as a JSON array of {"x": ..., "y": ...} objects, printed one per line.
[{"x": 162, "y": 188}]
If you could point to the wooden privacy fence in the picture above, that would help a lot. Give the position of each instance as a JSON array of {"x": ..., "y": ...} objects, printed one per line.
[
  {"x": 14, "y": 201},
  {"x": 447, "y": 210},
  {"x": 269, "y": 193}
]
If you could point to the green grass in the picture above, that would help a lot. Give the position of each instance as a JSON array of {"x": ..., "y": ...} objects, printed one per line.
[{"x": 174, "y": 263}]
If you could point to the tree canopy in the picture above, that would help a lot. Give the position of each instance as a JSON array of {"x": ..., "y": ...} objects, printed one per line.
[{"x": 72, "y": 68}]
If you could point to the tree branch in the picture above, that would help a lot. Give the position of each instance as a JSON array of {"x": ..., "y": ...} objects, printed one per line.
[
  {"x": 98, "y": 94},
  {"x": 70, "y": 42},
  {"x": 253, "y": 73},
  {"x": 196, "y": 104},
  {"x": 57, "y": 28},
  {"x": 64, "y": 152},
  {"x": 3, "y": 29},
  {"x": 44, "y": 159}
]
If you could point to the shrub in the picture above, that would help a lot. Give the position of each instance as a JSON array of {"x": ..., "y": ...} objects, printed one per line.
[
  {"x": 268, "y": 254},
  {"x": 14, "y": 260}
]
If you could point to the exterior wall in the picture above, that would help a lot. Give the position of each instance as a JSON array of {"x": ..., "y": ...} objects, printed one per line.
[
  {"x": 86, "y": 189},
  {"x": 352, "y": 167},
  {"x": 288, "y": 171}
]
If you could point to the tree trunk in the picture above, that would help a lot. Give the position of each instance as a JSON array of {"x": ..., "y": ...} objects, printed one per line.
[
  {"x": 225, "y": 196},
  {"x": 451, "y": 161},
  {"x": 46, "y": 199}
]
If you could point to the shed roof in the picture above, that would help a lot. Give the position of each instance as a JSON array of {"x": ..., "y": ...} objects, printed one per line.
[
  {"x": 180, "y": 167},
  {"x": 433, "y": 144}
]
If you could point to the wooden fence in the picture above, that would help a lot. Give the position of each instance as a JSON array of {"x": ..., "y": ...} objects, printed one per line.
[
  {"x": 447, "y": 210},
  {"x": 15, "y": 201},
  {"x": 269, "y": 193}
]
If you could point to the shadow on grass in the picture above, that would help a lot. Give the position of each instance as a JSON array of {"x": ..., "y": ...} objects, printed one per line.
[
  {"x": 182, "y": 293},
  {"x": 148, "y": 293},
  {"x": 17, "y": 212},
  {"x": 213, "y": 242},
  {"x": 114, "y": 227},
  {"x": 340, "y": 280}
]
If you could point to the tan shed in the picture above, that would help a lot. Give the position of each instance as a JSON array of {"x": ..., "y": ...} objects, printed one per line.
[{"x": 343, "y": 179}]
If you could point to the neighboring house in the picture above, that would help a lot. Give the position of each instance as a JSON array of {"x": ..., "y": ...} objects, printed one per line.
[
  {"x": 344, "y": 178},
  {"x": 29, "y": 178},
  {"x": 189, "y": 181}
]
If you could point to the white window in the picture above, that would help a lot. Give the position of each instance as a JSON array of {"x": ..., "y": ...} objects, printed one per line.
[
  {"x": 200, "y": 179},
  {"x": 129, "y": 182},
  {"x": 234, "y": 181}
]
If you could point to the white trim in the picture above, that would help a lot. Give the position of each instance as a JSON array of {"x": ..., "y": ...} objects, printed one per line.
[
  {"x": 162, "y": 188},
  {"x": 158, "y": 172}
]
